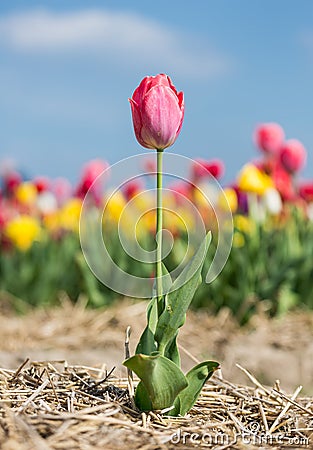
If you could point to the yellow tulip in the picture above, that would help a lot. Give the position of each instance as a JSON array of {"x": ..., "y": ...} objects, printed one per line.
[
  {"x": 238, "y": 240},
  {"x": 69, "y": 215},
  {"x": 23, "y": 231},
  {"x": 114, "y": 206},
  {"x": 228, "y": 200},
  {"x": 26, "y": 193},
  {"x": 244, "y": 224},
  {"x": 251, "y": 179}
]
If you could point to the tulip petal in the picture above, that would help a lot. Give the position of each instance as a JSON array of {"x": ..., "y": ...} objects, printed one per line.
[{"x": 161, "y": 117}]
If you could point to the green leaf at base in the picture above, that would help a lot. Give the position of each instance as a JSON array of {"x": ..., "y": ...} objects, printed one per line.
[
  {"x": 146, "y": 344},
  {"x": 162, "y": 381},
  {"x": 196, "y": 378}
]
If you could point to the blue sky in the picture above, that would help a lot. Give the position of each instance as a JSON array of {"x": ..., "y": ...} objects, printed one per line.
[{"x": 68, "y": 67}]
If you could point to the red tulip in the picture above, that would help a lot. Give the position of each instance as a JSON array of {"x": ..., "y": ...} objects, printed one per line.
[
  {"x": 11, "y": 181},
  {"x": 157, "y": 111},
  {"x": 202, "y": 168},
  {"x": 306, "y": 190},
  {"x": 283, "y": 183},
  {"x": 269, "y": 137},
  {"x": 42, "y": 184},
  {"x": 293, "y": 155}
]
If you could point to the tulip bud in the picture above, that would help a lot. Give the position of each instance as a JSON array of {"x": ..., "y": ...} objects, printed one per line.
[{"x": 157, "y": 111}]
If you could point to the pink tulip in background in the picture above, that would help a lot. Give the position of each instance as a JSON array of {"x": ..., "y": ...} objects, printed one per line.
[
  {"x": 181, "y": 190},
  {"x": 293, "y": 155},
  {"x": 269, "y": 137},
  {"x": 157, "y": 111},
  {"x": 132, "y": 188},
  {"x": 91, "y": 171},
  {"x": 62, "y": 190},
  {"x": 203, "y": 168}
]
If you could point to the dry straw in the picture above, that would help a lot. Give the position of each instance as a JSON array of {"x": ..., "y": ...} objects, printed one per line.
[{"x": 51, "y": 405}]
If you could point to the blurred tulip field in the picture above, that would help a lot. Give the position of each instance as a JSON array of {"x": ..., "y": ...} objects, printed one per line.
[{"x": 270, "y": 266}]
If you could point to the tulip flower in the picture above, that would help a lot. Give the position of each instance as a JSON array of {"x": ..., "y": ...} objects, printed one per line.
[
  {"x": 306, "y": 190},
  {"x": 251, "y": 179},
  {"x": 283, "y": 182},
  {"x": 11, "y": 181},
  {"x": 228, "y": 200},
  {"x": 132, "y": 188},
  {"x": 202, "y": 168},
  {"x": 272, "y": 201},
  {"x": 23, "y": 231},
  {"x": 62, "y": 190},
  {"x": 26, "y": 193},
  {"x": 293, "y": 155},
  {"x": 157, "y": 111},
  {"x": 181, "y": 190},
  {"x": 42, "y": 184},
  {"x": 269, "y": 137},
  {"x": 90, "y": 181}
]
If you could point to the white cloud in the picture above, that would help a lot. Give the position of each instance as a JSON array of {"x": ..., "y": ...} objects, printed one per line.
[{"x": 120, "y": 36}]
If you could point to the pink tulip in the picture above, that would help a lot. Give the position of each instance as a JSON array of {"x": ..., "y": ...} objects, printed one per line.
[
  {"x": 157, "y": 111},
  {"x": 91, "y": 171},
  {"x": 149, "y": 166},
  {"x": 132, "y": 188},
  {"x": 293, "y": 155},
  {"x": 181, "y": 190},
  {"x": 62, "y": 190},
  {"x": 269, "y": 137},
  {"x": 202, "y": 168}
]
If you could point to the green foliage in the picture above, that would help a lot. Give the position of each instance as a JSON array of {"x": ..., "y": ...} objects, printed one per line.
[
  {"x": 273, "y": 269},
  {"x": 196, "y": 378},
  {"x": 162, "y": 380},
  {"x": 157, "y": 361}
]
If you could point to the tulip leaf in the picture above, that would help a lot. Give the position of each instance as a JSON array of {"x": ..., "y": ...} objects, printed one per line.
[
  {"x": 161, "y": 381},
  {"x": 166, "y": 282},
  {"x": 142, "y": 398},
  {"x": 171, "y": 351},
  {"x": 147, "y": 343},
  {"x": 177, "y": 301},
  {"x": 196, "y": 378}
]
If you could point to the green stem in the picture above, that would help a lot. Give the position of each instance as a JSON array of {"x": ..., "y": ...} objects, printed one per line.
[{"x": 159, "y": 226}]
